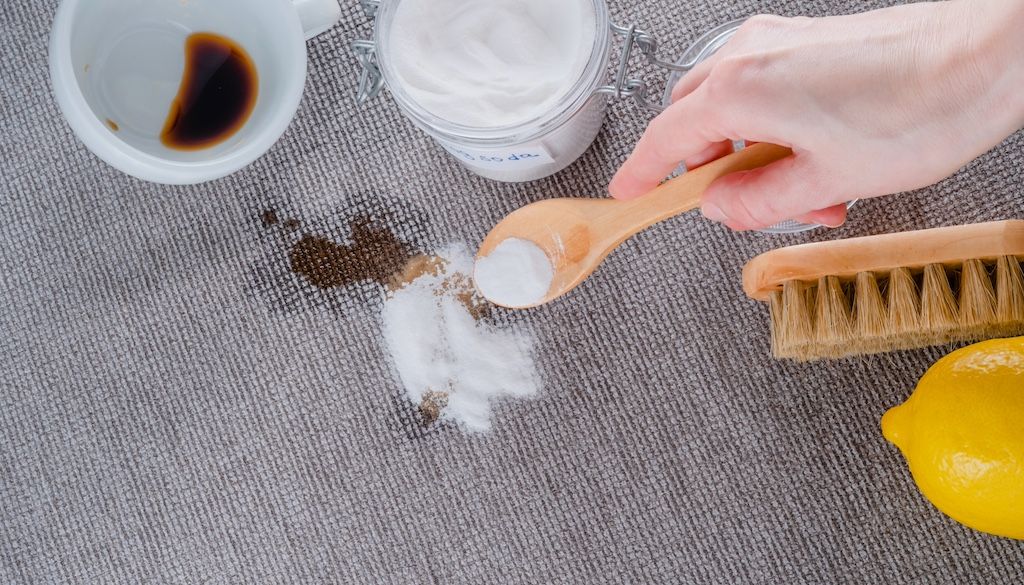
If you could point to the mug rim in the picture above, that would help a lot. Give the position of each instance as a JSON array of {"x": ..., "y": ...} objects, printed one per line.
[{"x": 128, "y": 159}]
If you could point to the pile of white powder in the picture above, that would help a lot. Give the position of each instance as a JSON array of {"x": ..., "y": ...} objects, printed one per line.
[
  {"x": 447, "y": 358},
  {"x": 516, "y": 274}
]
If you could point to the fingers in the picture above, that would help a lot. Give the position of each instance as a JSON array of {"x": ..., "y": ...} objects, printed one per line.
[
  {"x": 785, "y": 189},
  {"x": 696, "y": 76},
  {"x": 711, "y": 153},
  {"x": 693, "y": 78},
  {"x": 678, "y": 133}
]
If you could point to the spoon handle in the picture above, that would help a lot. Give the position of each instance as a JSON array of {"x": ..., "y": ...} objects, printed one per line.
[{"x": 684, "y": 193}]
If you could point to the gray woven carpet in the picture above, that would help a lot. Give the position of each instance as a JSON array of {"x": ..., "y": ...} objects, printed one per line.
[{"x": 177, "y": 407}]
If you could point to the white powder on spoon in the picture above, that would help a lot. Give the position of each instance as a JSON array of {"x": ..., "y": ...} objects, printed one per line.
[
  {"x": 517, "y": 273},
  {"x": 447, "y": 359}
]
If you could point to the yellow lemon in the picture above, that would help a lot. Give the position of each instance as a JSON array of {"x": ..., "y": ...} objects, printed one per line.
[{"x": 962, "y": 432}]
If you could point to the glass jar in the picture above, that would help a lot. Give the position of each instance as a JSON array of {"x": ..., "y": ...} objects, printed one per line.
[{"x": 533, "y": 149}]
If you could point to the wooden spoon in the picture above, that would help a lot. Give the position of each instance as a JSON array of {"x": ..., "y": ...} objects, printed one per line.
[{"x": 577, "y": 234}]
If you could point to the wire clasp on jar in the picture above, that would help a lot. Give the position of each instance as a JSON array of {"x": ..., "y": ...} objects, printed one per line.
[
  {"x": 625, "y": 86},
  {"x": 371, "y": 81}
]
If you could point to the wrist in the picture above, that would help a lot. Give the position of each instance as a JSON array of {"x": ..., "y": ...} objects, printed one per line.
[
  {"x": 996, "y": 47},
  {"x": 1016, "y": 36}
]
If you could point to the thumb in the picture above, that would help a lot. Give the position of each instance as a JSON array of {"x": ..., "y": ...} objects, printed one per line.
[{"x": 756, "y": 199}]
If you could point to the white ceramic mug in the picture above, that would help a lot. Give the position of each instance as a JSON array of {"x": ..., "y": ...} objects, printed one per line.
[{"x": 119, "y": 63}]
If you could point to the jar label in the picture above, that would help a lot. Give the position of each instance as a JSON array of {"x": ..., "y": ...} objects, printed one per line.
[{"x": 515, "y": 157}]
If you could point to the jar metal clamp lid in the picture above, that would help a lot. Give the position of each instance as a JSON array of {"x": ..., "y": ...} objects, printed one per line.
[
  {"x": 371, "y": 81},
  {"x": 625, "y": 86}
]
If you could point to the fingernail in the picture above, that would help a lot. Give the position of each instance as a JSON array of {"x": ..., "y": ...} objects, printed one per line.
[
  {"x": 834, "y": 225},
  {"x": 713, "y": 212}
]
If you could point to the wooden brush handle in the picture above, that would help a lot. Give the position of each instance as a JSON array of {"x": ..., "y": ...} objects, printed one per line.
[
  {"x": 684, "y": 193},
  {"x": 880, "y": 254}
]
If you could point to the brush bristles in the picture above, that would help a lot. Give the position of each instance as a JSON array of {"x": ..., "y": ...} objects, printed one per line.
[
  {"x": 869, "y": 313},
  {"x": 832, "y": 327},
  {"x": 795, "y": 318},
  {"x": 1009, "y": 295},
  {"x": 977, "y": 299},
  {"x": 938, "y": 304},
  {"x": 775, "y": 310},
  {"x": 901, "y": 309}
]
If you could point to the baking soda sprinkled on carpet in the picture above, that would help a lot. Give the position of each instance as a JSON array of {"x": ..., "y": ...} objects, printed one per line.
[
  {"x": 517, "y": 273},
  {"x": 451, "y": 361}
]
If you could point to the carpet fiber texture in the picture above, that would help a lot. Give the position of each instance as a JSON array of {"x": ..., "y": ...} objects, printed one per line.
[{"x": 178, "y": 406}]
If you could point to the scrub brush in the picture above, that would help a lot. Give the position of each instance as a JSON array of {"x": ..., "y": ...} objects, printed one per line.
[{"x": 890, "y": 292}]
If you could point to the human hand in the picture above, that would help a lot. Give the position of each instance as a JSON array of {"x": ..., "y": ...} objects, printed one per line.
[{"x": 871, "y": 104}]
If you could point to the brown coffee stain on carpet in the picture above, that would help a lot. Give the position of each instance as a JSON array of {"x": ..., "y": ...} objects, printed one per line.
[
  {"x": 431, "y": 406},
  {"x": 375, "y": 254},
  {"x": 269, "y": 217}
]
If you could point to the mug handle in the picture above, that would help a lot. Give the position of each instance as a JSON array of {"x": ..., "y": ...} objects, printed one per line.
[{"x": 317, "y": 15}]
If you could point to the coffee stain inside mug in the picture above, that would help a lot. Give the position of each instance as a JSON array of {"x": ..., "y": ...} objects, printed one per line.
[{"x": 217, "y": 94}]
